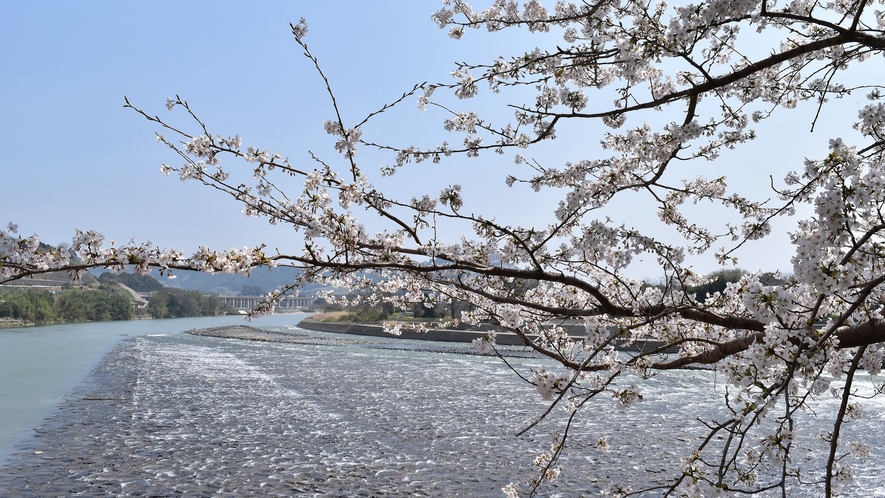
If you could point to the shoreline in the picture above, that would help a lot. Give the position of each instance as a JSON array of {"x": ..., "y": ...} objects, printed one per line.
[
  {"x": 249, "y": 333},
  {"x": 437, "y": 335},
  {"x": 454, "y": 336}
]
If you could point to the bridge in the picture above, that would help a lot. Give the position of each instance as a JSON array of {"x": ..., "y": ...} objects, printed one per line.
[{"x": 249, "y": 302}]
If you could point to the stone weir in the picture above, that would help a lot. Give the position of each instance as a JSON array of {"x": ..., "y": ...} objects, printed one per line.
[
  {"x": 245, "y": 332},
  {"x": 438, "y": 335},
  {"x": 460, "y": 335}
]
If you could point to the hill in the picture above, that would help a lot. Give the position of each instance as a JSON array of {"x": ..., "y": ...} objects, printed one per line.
[{"x": 262, "y": 281}]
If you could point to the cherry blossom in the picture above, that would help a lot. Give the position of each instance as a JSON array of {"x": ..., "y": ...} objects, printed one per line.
[{"x": 780, "y": 347}]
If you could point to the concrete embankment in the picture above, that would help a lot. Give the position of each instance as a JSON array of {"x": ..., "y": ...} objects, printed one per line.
[
  {"x": 439, "y": 335},
  {"x": 248, "y": 333},
  {"x": 245, "y": 332},
  {"x": 460, "y": 335}
]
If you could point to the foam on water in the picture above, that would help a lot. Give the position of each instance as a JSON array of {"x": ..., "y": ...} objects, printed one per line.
[
  {"x": 224, "y": 417},
  {"x": 470, "y": 407}
]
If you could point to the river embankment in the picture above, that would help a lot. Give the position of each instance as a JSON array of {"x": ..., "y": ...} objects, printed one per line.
[
  {"x": 409, "y": 331},
  {"x": 338, "y": 336},
  {"x": 461, "y": 333}
]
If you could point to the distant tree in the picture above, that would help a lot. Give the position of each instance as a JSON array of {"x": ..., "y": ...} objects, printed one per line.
[
  {"x": 717, "y": 282},
  {"x": 81, "y": 305},
  {"x": 136, "y": 282},
  {"x": 209, "y": 305},
  {"x": 157, "y": 305},
  {"x": 28, "y": 305},
  {"x": 424, "y": 310},
  {"x": 177, "y": 303},
  {"x": 72, "y": 305},
  {"x": 431, "y": 308},
  {"x": 253, "y": 290}
]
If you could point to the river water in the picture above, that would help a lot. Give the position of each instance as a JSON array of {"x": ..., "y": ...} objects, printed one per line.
[
  {"x": 348, "y": 417},
  {"x": 38, "y": 365}
]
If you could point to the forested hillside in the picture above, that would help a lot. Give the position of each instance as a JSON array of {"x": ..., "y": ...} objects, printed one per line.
[
  {"x": 177, "y": 303},
  {"x": 72, "y": 305}
]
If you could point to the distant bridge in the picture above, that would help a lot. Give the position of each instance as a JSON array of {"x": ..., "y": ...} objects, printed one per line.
[{"x": 249, "y": 302}]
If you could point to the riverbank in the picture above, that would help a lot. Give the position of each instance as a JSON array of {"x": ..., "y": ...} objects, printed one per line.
[
  {"x": 462, "y": 334},
  {"x": 437, "y": 335},
  {"x": 453, "y": 335},
  {"x": 8, "y": 323},
  {"x": 379, "y": 341}
]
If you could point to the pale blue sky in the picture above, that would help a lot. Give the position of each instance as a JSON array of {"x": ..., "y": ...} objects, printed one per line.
[{"x": 74, "y": 158}]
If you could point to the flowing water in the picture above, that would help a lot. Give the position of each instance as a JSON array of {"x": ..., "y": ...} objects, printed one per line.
[
  {"x": 38, "y": 365},
  {"x": 167, "y": 413}
]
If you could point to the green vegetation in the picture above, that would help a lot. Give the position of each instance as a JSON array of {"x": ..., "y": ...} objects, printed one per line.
[
  {"x": 93, "y": 305},
  {"x": 177, "y": 303},
  {"x": 72, "y": 305},
  {"x": 30, "y": 306},
  {"x": 136, "y": 282},
  {"x": 253, "y": 290},
  {"x": 374, "y": 313},
  {"x": 105, "y": 302},
  {"x": 718, "y": 281},
  {"x": 366, "y": 313}
]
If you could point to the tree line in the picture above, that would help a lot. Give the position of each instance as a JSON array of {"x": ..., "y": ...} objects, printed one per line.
[
  {"x": 106, "y": 302},
  {"x": 177, "y": 303},
  {"x": 71, "y": 305},
  {"x": 168, "y": 302}
]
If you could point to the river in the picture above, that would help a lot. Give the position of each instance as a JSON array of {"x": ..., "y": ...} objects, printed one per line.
[
  {"x": 38, "y": 365},
  {"x": 352, "y": 416}
]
